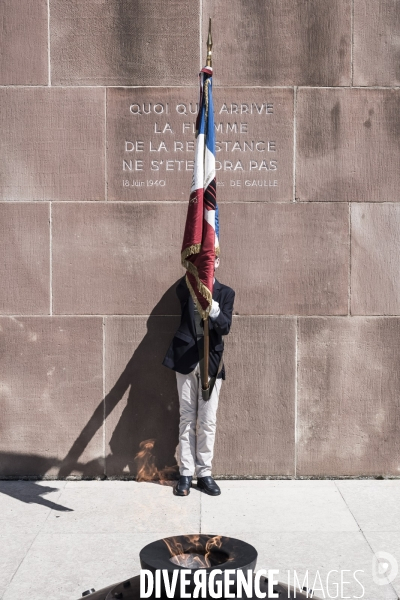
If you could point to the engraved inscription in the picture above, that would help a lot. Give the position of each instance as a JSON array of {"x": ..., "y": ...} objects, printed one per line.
[
  {"x": 153, "y": 144},
  {"x": 234, "y": 150}
]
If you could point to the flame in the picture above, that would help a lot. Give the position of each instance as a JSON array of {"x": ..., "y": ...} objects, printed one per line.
[
  {"x": 191, "y": 561},
  {"x": 146, "y": 463},
  {"x": 214, "y": 543},
  {"x": 193, "y": 554}
]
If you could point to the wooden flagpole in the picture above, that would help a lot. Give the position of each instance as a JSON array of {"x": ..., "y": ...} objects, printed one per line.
[{"x": 205, "y": 384}]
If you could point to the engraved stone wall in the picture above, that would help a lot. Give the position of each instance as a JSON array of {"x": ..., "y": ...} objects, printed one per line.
[
  {"x": 99, "y": 101},
  {"x": 151, "y": 143}
]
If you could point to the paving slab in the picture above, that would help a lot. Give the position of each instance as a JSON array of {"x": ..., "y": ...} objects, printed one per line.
[
  {"x": 375, "y": 505},
  {"x": 62, "y": 566},
  {"x": 25, "y": 505},
  {"x": 318, "y": 553},
  {"x": 260, "y": 485},
  {"x": 13, "y": 549},
  {"x": 59, "y": 538},
  {"x": 124, "y": 507},
  {"x": 384, "y": 543},
  {"x": 301, "y": 508}
]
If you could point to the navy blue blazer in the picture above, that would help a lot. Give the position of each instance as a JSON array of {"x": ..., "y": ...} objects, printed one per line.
[{"x": 183, "y": 353}]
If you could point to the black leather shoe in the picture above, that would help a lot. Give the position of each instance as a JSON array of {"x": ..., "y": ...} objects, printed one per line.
[
  {"x": 183, "y": 486},
  {"x": 208, "y": 485}
]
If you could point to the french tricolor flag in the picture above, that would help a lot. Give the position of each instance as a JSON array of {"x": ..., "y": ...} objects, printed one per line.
[{"x": 200, "y": 241}]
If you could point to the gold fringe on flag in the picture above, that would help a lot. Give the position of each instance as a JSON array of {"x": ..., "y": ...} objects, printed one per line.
[
  {"x": 204, "y": 291},
  {"x": 194, "y": 249}
]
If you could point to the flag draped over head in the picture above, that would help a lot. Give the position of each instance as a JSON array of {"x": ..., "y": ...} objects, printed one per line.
[{"x": 200, "y": 241}]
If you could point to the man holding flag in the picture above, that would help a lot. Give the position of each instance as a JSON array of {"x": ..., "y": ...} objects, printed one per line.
[{"x": 197, "y": 347}]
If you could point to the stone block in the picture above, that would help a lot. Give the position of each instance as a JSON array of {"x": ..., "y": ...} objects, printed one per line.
[
  {"x": 286, "y": 258},
  {"x": 51, "y": 385},
  {"x": 254, "y": 436},
  {"x": 151, "y": 143},
  {"x": 280, "y": 42},
  {"x": 116, "y": 258},
  {"x": 376, "y": 54},
  {"x": 348, "y": 145},
  {"x": 112, "y": 268},
  {"x": 23, "y": 45},
  {"x": 124, "y": 42},
  {"x": 142, "y": 405},
  {"x": 52, "y": 144},
  {"x": 255, "y": 432},
  {"x": 375, "y": 256},
  {"x": 348, "y": 387},
  {"x": 25, "y": 262}
]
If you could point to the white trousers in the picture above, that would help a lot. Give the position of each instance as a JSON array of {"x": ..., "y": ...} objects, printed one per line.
[{"x": 197, "y": 426}]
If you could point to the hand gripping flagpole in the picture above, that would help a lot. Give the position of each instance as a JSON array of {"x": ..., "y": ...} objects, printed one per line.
[{"x": 205, "y": 383}]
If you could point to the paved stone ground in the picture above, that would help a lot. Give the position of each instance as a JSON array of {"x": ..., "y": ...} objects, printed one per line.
[{"x": 59, "y": 538}]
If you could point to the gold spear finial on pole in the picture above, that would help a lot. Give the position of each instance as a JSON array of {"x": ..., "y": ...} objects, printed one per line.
[{"x": 209, "y": 46}]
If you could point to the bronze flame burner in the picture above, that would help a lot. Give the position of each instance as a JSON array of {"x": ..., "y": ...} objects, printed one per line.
[
  {"x": 194, "y": 552},
  {"x": 199, "y": 551}
]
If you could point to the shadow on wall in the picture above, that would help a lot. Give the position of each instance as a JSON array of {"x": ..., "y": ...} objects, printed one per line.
[{"x": 143, "y": 442}]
